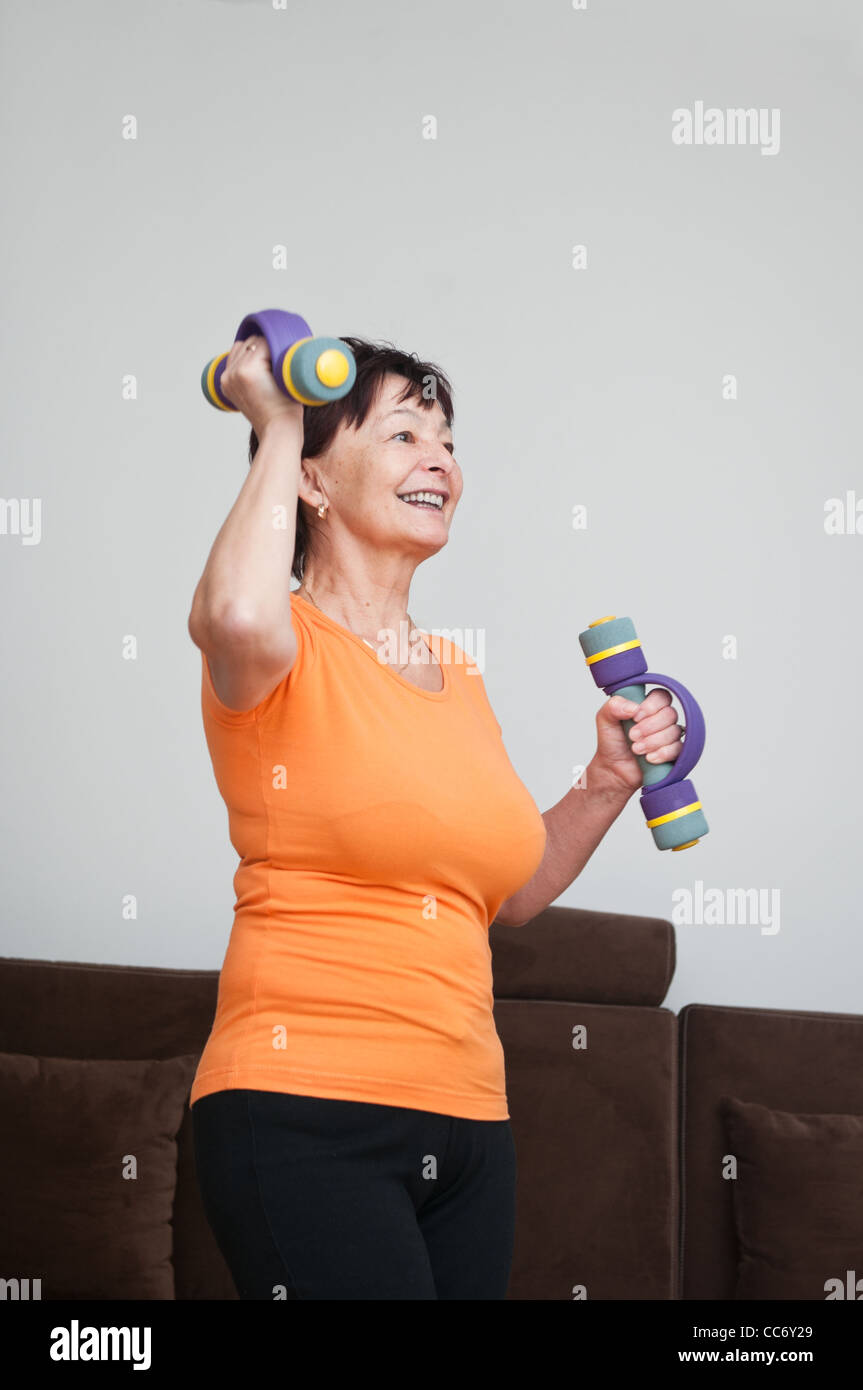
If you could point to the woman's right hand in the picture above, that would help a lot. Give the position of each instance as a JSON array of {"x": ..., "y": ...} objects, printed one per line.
[{"x": 249, "y": 384}]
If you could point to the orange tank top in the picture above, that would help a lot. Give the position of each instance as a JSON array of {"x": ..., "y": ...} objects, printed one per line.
[{"x": 380, "y": 827}]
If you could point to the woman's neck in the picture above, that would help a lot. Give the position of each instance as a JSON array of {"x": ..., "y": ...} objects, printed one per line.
[{"x": 360, "y": 615}]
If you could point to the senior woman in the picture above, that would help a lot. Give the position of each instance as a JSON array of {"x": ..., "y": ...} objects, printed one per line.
[{"x": 352, "y": 1134}]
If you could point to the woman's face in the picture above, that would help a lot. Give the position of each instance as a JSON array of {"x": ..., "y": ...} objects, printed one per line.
[{"x": 401, "y": 447}]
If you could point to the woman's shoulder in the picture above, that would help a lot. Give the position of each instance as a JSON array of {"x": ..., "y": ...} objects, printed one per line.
[{"x": 306, "y": 651}]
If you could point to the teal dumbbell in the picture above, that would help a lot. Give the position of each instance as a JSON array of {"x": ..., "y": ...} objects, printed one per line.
[
  {"x": 670, "y": 803},
  {"x": 311, "y": 370}
]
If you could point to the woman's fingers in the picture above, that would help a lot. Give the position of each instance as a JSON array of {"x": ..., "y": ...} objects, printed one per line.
[
  {"x": 665, "y": 753},
  {"x": 660, "y": 734},
  {"x": 240, "y": 352},
  {"x": 652, "y": 703},
  {"x": 654, "y": 723}
]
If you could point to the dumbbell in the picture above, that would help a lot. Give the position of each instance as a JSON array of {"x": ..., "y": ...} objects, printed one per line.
[
  {"x": 311, "y": 370},
  {"x": 669, "y": 801}
]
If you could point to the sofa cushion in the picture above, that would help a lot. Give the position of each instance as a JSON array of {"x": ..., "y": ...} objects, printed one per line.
[
  {"x": 89, "y": 1164},
  {"x": 798, "y": 1201},
  {"x": 74, "y": 1009},
  {"x": 799, "y": 1062}
]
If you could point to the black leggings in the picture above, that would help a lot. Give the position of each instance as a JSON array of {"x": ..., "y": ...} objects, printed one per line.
[{"x": 340, "y": 1199}]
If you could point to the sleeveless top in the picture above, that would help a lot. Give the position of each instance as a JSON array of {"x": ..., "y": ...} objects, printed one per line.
[{"x": 380, "y": 827}]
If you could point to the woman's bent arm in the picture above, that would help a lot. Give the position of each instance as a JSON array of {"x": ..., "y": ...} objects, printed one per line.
[
  {"x": 241, "y": 610},
  {"x": 247, "y": 577}
]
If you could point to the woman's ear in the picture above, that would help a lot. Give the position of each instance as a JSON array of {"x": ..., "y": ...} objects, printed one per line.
[{"x": 307, "y": 488}]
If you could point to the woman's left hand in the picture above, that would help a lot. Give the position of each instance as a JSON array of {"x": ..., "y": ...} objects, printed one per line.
[{"x": 655, "y": 734}]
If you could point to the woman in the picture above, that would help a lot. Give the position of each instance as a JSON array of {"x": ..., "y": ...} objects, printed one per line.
[{"x": 351, "y": 1124}]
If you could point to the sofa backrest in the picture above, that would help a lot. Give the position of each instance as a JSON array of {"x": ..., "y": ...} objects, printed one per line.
[{"x": 585, "y": 955}]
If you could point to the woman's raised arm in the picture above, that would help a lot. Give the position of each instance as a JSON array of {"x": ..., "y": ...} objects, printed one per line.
[{"x": 241, "y": 610}]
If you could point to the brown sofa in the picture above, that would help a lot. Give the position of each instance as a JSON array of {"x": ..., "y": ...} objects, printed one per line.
[{"x": 615, "y": 1105}]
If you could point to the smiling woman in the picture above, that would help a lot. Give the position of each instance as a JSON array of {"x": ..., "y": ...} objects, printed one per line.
[{"x": 381, "y": 828}]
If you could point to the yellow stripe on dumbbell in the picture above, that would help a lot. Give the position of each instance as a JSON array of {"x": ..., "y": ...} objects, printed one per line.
[
  {"x": 688, "y": 845},
  {"x": 674, "y": 815},
  {"x": 286, "y": 373},
  {"x": 612, "y": 651},
  {"x": 609, "y": 618},
  {"x": 211, "y": 382}
]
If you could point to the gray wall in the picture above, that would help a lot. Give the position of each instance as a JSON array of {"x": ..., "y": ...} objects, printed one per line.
[{"x": 600, "y": 386}]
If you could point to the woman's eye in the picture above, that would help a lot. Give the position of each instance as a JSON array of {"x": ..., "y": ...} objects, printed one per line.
[{"x": 407, "y": 434}]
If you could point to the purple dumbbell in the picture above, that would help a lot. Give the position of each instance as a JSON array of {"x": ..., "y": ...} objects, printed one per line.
[
  {"x": 311, "y": 370},
  {"x": 668, "y": 799}
]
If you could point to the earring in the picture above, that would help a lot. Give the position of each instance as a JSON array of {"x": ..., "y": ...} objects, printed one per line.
[{"x": 322, "y": 509}]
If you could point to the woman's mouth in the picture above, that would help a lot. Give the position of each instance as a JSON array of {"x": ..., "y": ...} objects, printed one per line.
[{"x": 432, "y": 501}]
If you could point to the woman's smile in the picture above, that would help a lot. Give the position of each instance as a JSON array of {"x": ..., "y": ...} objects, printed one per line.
[{"x": 430, "y": 500}]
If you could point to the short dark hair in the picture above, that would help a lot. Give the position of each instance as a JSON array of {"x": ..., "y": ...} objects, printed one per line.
[{"x": 424, "y": 382}]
